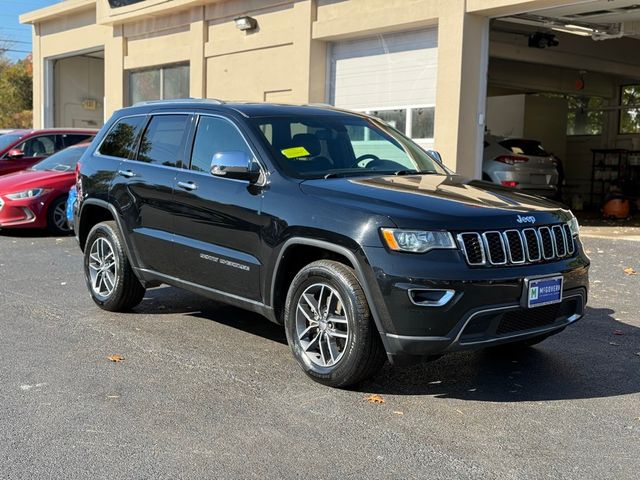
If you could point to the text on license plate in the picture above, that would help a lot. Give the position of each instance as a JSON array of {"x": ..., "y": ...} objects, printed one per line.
[{"x": 544, "y": 291}]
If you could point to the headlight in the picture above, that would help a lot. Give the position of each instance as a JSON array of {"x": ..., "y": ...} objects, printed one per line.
[
  {"x": 31, "y": 193},
  {"x": 416, "y": 241},
  {"x": 574, "y": 226}
]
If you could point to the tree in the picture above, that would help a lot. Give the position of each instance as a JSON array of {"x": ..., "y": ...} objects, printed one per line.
[{"x": 16, "y": 92}]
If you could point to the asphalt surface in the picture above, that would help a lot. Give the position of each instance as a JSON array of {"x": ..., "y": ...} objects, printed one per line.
[{"x": 209, "y": 391}]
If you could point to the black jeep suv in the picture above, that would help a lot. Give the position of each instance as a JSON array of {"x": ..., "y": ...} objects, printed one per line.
[{"x": 332, "y": 223}]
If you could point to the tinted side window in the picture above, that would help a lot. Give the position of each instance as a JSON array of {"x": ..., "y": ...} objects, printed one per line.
[
  {"x": 163, "y": 140},
  {"x": 123, "y": 138},
  {"x": 215, "y": 135},
  {"x": 72, "y": 139}
]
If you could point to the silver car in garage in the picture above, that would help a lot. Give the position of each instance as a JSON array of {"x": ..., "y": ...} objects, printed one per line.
[{"x": 521, "y": 164}]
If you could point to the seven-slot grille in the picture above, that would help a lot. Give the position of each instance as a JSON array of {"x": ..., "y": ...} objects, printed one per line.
[{"x": 515, "y": 247}]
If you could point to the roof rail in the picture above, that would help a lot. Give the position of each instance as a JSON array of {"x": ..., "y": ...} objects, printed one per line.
[{"x": 213, "y": 101}]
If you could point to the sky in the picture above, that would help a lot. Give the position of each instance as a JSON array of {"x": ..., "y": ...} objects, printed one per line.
[{"x": 11, "y": 31}]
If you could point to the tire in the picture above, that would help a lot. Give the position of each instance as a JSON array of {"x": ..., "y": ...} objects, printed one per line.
[
  {"x": 114, "y": 288},
  {"x": 353, "y": 350},
  {"x": 57, "y": 217}
]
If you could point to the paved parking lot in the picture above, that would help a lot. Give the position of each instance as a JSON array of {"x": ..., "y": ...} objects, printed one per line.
[{"x": 208, "y": 391}]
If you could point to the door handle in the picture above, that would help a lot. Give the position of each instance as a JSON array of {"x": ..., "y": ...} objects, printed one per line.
[
  {"x": 187, "y": 185},
  {"x": 126, "y": 173}
]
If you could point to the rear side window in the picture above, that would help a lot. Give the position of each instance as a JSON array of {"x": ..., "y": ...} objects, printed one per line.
[
  {"x": 215, "y": 135},
  {"x": 525, "y": 147},
  {"x": 122, "y": 139},
  {"x": 72, "y": 139},
  {"x": 164, "y": 139}
]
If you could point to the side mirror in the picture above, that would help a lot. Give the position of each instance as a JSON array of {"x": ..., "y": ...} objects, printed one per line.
[
  {"x": 236, "y": 165},
  {"x": 435, "y": 155},
  {"x": 15, "y": 153}
]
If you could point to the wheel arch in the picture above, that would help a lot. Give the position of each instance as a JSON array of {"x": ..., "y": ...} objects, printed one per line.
[{"x": 286, "y": 268}]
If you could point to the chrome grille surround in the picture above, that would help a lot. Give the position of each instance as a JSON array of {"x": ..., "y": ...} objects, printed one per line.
[
  {"x": 517, "y": 246},
  {"x": 472, "y": 240}
]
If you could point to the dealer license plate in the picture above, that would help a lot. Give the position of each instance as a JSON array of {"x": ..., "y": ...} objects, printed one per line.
[{"x": 543, "y": 291}]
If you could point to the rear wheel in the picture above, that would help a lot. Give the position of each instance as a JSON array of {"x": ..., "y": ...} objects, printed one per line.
[
  {"x": 329, "y": 326},
  {"x": 112, "y": 284},
  {"x": 57, "y": 217}
]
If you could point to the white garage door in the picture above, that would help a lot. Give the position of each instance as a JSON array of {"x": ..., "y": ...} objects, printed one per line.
[{"x": 392, "y": 76}]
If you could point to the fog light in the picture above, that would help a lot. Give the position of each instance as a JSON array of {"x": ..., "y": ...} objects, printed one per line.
[{"x": 430, "y": 297}]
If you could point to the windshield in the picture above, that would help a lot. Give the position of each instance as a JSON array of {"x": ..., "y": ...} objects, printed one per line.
[
  {"x": 317, "y": 146},
  {"x": 62, "y": 161},
  {"x": 6, "y": 140}
]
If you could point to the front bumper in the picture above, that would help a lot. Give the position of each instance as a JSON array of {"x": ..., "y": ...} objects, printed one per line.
[
  {"x": 27, "y": 213},
  {"x": 485, "y": 308}
]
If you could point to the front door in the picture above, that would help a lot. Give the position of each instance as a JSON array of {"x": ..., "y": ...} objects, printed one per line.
[
  {"x": 217, "y": 222},
  {"x": 32, "y": 151}
]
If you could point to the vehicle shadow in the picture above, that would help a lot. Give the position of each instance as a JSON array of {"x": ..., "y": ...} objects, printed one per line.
[
  {"x": 587, "y": 360},
  {"x": 169, "y": 300}
]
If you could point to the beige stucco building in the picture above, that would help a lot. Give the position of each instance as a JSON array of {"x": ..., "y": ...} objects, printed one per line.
[{"x": 420, "y": 64}]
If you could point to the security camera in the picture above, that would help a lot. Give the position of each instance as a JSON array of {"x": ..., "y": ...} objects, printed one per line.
[{"x": 543, "y": 40}]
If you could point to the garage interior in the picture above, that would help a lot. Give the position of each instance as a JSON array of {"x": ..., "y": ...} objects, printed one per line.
[
  {"x": 78, "y": 97},
  {"x": 570, "y": 78}
]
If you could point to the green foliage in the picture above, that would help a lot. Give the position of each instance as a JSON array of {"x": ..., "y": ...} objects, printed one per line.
[
  {"x": 16, "y": 93},
  {"x": 630, "y": 117}
]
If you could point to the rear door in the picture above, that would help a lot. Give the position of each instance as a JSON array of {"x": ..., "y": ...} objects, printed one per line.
[
  {"x": 143, "y": 190},
  {"x": 217, "y": 220}
]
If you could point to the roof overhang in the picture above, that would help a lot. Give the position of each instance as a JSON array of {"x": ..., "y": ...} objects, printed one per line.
[{"x": 57, "y": 10}]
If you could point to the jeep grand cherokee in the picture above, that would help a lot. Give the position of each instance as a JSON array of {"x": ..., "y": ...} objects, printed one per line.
[{"x": 332, "y": 223}]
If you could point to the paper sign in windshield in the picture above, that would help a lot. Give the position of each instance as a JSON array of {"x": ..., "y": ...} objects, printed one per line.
[{"x": 295, "y": 152}]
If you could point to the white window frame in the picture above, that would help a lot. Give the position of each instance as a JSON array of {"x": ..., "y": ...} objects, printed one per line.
[{"x": 408, "y": 119}]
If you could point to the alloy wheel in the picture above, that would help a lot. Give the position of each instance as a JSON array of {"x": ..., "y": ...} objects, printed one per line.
[
  {"x": 322, "y": 325},
  {"x": 60, "y": 217},
  {"x": 102, "y": 268}
]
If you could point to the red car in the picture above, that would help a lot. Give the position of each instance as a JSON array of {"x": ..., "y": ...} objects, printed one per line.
[
  {"x": 36, "y": 198},
  {"x": 21, "y": 149}
]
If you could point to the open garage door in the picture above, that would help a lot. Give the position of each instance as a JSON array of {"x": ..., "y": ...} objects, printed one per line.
[
  {"x": 391, "y": 76},
  {"x": 569, "y": 78},
  {"x": 77, "y": 91}
]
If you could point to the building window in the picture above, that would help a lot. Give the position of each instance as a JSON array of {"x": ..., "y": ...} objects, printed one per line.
[
  {"x": 585, "y": 115},
  {"x": 414, "y": 122},
  {"x": 630, "y": 109},
  {"x": 159, "y": 83}
]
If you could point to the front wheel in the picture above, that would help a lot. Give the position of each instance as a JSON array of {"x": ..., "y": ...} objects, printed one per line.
[
  {"x": 329, "y": 326},
  {"x": 112, "y": 284},
  {"x": 57, "y": 217}
]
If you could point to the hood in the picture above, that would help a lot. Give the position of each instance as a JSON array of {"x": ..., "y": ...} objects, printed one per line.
[
  {"x": 438, "y": 201},
  {"x": 23, "y": 180}
]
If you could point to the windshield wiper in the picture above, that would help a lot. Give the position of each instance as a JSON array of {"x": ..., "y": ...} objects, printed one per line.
[
  {"x": 333, "y": 175},
  {"x": 414, "y": 172}
]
